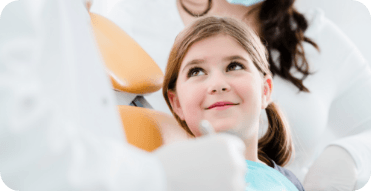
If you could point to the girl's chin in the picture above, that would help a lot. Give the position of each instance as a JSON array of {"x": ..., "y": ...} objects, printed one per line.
[{"x": 223, "y": 129}]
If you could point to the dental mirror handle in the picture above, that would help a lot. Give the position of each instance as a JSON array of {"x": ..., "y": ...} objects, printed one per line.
[{"x": 206, "y": 128}]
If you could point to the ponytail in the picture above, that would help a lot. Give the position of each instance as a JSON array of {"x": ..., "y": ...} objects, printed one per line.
[{"x": 276, "y": 144}]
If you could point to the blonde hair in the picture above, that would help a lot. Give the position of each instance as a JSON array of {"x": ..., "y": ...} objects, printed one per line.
[{"x": 276, "y": 144}]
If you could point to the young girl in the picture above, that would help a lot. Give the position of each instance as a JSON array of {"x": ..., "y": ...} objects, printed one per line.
[{"x": 218, "y": 71}]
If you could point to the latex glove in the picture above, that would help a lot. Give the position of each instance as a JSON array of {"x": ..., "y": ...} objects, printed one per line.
[
  {"x": 209, "y": 163},
  {"x": 334, "y": 169}
]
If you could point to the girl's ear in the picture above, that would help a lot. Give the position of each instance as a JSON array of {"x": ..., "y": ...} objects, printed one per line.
[
  {"x": 267, "y": 91},
  {"x": 175, "y": 104}
]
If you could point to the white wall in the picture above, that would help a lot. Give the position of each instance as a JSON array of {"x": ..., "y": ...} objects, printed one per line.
[{"x": 103, "y": 6}]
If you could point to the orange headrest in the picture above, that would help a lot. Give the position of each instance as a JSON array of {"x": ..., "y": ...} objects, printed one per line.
[{"x": 131, "y": 69}]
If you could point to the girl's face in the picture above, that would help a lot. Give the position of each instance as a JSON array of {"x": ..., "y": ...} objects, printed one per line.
[{"x": 218, "y": 82}]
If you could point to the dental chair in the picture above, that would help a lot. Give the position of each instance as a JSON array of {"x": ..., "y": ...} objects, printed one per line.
[{"x": 133, "y": 74}]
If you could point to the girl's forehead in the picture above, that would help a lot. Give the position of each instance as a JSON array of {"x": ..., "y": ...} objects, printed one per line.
[
  {"x": 214, "y": 47},
  {"x": 209, "y": 45},
  {"x": 216, "y": 39}
]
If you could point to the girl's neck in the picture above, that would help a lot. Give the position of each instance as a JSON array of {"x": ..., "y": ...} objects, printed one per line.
[{"x": 251, "y": 152}]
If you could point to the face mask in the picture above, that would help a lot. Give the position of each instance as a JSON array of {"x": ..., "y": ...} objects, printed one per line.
[{"x": 245, "y": 2}]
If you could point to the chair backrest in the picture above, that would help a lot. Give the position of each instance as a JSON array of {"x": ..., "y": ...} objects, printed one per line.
[
  {"x": 149, "y": 129},
  {"x": 133, "y": 71}
]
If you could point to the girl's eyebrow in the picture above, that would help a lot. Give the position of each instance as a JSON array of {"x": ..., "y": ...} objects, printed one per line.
[
  {"x": 193, "y": 62},
  {"x": 235, "y": 57}
]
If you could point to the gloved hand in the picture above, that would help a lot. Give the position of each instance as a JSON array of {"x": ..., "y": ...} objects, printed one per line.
[
  {"x": 334, "y": 169},
  {"x": 209, "y": 163}
]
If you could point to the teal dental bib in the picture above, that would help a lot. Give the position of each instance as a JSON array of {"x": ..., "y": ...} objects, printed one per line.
[{"x": 260, "y": 177}]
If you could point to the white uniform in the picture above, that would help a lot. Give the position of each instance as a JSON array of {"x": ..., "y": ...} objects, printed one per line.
[
  {"x": 352, "y": 17},
  {"x": 338, "y": 109},
  {"x": 59, "y": 127}
]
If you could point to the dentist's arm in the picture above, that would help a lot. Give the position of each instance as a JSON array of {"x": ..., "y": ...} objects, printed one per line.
[
  {"x": 345, "y": 164},
  {"x": 59, "y": 128}
]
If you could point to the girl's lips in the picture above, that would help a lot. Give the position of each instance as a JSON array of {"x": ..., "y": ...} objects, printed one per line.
[
  {"x": 220, "y": 103},
  {"x": 222, "y": 107}
]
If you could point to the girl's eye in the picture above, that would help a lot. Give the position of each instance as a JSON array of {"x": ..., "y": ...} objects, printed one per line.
[
  {"x": 194, "y": 72},
  {"x": 234, "y": 64}
]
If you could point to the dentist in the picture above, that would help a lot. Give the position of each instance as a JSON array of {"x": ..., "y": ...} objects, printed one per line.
[{"x": 59, "y": 128}]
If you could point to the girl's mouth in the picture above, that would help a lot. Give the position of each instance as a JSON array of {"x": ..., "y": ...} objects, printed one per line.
[{"x": 222, "y": 107}]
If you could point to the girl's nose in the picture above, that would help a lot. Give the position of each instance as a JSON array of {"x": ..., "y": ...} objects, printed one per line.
[{"x": 218, "y": 84}]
